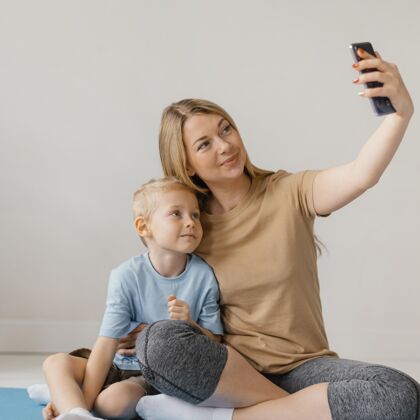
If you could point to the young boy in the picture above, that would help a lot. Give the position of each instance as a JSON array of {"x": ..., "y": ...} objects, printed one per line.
[{"x": 167, "y": 282}]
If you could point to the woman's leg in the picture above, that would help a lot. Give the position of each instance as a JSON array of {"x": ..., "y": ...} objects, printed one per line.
[
  {"x": 357, "y": 390},
  {"x": 119, "y": 400},
  {"x": 308, "y": 403},
  {"x": 240, "y": 385},
  {"x": 64, "y": 374},
  {"x": 181, "y": 362}
]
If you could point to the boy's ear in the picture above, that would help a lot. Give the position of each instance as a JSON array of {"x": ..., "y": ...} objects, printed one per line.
[{"x": 142, "y": 227}]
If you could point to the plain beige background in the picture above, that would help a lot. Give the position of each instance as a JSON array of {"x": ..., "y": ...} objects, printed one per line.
[{"x": 82, "y": 87}]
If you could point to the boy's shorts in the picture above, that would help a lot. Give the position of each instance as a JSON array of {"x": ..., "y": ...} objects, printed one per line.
[{"x": 115, "y": 374}]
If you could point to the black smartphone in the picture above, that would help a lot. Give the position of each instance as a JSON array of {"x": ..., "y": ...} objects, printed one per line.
[{"x": 381, "y": 104}]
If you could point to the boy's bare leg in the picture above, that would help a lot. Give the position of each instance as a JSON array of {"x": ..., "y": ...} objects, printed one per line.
[
  {"x": 64, "y": 374},
  {"x": 119, "y": 400}
]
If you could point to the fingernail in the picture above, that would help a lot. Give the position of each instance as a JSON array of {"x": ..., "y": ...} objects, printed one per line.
[
  {"x": 361, "y": 93},
  {"x": 355, "y": 80},
  {"x": 355, "y": 65}
]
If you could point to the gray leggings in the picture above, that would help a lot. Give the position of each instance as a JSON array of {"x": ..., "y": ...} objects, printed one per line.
[
  {"x": 357, "y": 390},
  {"x": 179, "y": 360}
]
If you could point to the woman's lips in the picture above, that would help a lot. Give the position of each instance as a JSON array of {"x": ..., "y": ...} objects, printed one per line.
[{"x": 230, "y": 160}]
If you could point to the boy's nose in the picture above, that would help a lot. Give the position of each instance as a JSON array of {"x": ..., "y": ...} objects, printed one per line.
[{"x": 189, "y": 222}]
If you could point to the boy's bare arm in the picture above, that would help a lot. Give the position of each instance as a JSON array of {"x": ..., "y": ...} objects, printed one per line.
[
  {"x": 208, "y": 333},
  {"x": 97, "y": 368},
  {"x": 178, "y": 309}
]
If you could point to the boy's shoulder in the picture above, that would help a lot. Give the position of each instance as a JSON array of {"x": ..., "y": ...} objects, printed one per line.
[
  {"x": 131, "y": 267},
  {"x": 199, "y": 264}
]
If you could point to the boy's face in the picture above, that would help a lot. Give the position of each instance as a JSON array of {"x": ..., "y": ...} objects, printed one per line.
[{"x": 175, "y": 224}]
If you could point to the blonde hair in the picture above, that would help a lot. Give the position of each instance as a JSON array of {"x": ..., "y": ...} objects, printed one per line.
[
  {"x": 145, "y": 199},
  {"x": 172, "y": 149}
]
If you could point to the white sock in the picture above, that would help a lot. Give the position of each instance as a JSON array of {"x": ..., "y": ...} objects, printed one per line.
[
  {"x": 164, "y": 407},
  {"x": 39, "y": 393},
  {"x": 77, "y": 413}
]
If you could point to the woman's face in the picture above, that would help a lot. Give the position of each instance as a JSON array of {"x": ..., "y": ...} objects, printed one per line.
[{"x": 214, "y": 149}]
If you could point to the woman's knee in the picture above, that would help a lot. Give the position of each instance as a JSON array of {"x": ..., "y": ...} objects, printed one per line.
[
  {"x": 375, "y": 392},
  {"x": 404, "y": 392},
  {"x": 178, "y": 360}
]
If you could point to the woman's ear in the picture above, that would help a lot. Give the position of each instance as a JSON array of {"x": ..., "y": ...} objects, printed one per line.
[
  {"x": 190, "y": 171},
  {"x": 142, "y": 227}
]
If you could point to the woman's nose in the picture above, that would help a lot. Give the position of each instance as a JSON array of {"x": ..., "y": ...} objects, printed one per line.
[{"x": 222, "y": 145}]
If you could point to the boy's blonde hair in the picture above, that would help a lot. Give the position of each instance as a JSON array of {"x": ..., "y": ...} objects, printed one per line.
[{"x": 145, "y": 199}]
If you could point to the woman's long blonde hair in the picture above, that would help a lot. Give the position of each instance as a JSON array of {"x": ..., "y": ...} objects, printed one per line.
[
  {"x": 172, "y": 149},
  {"x": 171, "y": 144}
]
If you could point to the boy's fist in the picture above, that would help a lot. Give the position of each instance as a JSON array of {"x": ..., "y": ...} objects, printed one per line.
[{"x": 178, "y": 309}]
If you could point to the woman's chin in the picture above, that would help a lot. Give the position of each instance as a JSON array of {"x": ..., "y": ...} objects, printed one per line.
[{"x": 235, "y": 172}]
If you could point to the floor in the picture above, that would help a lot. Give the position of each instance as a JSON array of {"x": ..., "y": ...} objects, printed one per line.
[{"x": 22, "y": 370}]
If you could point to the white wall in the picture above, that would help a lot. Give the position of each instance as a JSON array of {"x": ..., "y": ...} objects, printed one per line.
[{"x": 82, "y": 86}]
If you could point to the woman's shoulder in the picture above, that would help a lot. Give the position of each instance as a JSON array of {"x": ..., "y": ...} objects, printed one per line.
[
  {"x": 279, "y": 176},
  {"x": 286, "y": 177}
]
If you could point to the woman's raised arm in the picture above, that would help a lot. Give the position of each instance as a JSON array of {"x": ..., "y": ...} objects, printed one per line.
[{"x": 338, "y": 186}]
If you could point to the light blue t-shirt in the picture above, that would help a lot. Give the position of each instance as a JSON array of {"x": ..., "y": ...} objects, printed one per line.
[{"x": 137, "y": 293}]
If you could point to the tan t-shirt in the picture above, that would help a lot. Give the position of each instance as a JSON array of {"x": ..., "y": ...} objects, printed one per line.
[{"x": 264, "y": 257}]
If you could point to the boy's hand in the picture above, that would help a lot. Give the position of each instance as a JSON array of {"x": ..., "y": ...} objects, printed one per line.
[
  {"x": 50, "y": 412},
  {"x": 178, "y": 309},
  {"x": 127, "y": 344}
]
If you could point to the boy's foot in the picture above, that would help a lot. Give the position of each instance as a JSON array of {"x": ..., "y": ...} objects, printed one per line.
[
  {"x": 164, "y": 407},
  {"x": 77, "y": 414},
  {"x": 39, "y": 393}
]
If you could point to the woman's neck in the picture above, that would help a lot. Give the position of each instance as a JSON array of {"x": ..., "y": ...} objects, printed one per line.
[{"x": 228, "y": 195}]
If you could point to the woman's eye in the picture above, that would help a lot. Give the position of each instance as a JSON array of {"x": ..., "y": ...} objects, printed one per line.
[
  {"x": 196, "y": 215},
  {"x": 203, "y": 145},
  {"x": 176, "y": 213},
  {"x": 226, "y": 129}
]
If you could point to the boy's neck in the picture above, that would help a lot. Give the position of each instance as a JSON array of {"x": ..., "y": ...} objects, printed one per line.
[{"x": 168, "y": 264}]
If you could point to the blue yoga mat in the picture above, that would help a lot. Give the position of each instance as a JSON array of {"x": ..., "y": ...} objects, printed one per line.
[{"x": 15, "y": 404}]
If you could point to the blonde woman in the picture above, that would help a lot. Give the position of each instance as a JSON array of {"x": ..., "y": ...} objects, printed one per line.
[{"x": 258, "y": 237}]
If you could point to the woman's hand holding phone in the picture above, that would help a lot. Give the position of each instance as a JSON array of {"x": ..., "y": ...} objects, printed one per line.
[{"x": 387, "y": 74}]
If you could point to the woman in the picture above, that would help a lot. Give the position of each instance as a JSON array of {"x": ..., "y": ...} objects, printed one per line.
[{"x": 259, "y": 239}]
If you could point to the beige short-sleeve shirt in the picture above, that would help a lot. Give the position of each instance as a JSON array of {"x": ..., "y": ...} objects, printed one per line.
[{"x": 264, "y": 257}]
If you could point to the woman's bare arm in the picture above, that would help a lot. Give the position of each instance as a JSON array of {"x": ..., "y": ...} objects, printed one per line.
[{"x": 338, "y": 186}]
